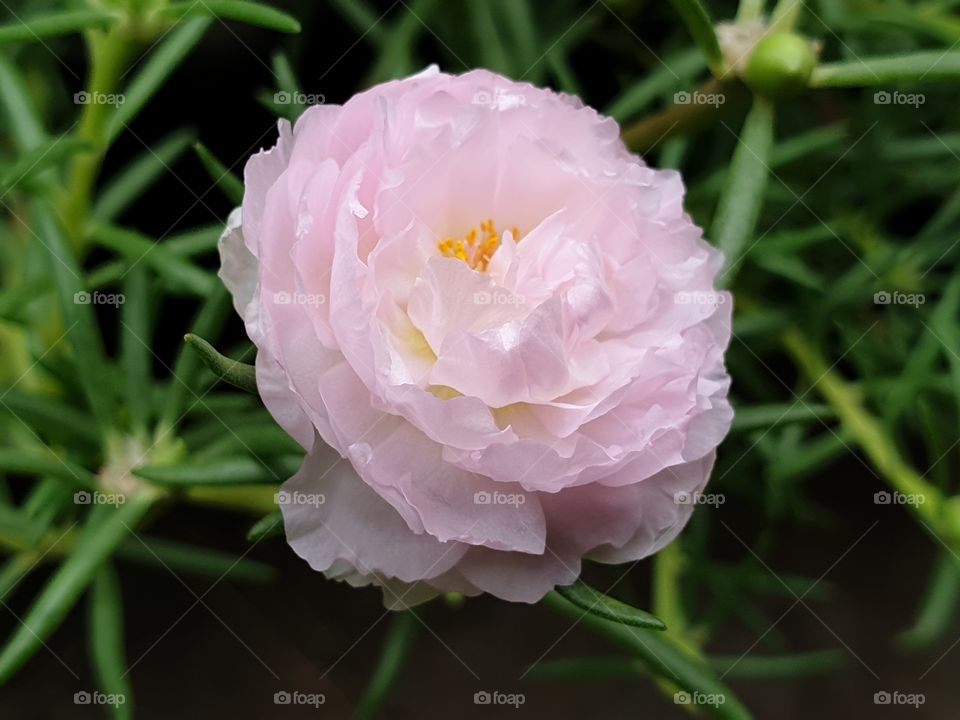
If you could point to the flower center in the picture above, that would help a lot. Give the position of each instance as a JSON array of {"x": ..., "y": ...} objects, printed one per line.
[{"x": 476, "y": 248}]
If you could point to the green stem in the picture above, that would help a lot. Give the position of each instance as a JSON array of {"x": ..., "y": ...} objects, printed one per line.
[
  {"x": 109, "y": 54},
  {"x": 939, "y": 606},
  {"x": 396, "y": 648},
  {"x": 785, "y": 15},
  {"x": 105, "y": 529},
  {"x": 56, "y": 543},
  {"x": 741, "y": 202},
  {"x": 868, "y": 433},
  {"x": 240, "y": 375},
  {"x": 669, "y": 657},
  {"x": 926, "y": 66},
  {"x": 750, "y": 9},
  {"x": 253, "y": 499},
  {"x": 667, "y": 605},
  {"x": 701, "y": 28}
]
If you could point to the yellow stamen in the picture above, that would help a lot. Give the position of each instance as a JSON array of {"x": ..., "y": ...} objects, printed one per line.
[{"x": 478, "y": 248}]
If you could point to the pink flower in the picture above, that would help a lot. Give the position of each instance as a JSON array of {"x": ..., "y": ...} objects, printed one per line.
[{"x": 493, "y": 329}]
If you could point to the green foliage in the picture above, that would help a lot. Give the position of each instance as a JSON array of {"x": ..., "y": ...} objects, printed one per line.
[
  {"x": 79, "y": 419},
  {"x": 666, "y": 656},
  {"x": 608, "y": 608},
  {"x": 236, "y": 373},
  {"x": 700, "y": 25},
  {"x": 252, "y": 13}
]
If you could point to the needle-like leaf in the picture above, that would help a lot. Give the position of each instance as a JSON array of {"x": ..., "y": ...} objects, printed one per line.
[
  {"x": 105, "y": 530},
  {"x": 31, "y": 463},
  {"x": 596, "y": 603},
  {"x": 251, "y": 13},
  {"x": 234, "y": 372},
  {"x": 137, "y": 248},
  {"x": 742, "y": 196},
  {"x": 36, "y": 29},
  {"x": 270, "y": 525},
  {"x": 223, "y": 471},
  {"x": 158, "y": 67},
  {"x": 46, "y": 155},
  {"x": 186, "y": 368},
  {"x": 106, "y": 642},
  {"x": 396, "y": 647},
  {"x": 81, "y": 331},
  {"x": 663, "y": 655},
  {"x": 222, "y": 176},
  {"x": 135, "y": 357},
  {"x": 914, "y": 67},
  {"x": 189, "y": 559},
  {"x": 25, "y": 128},
  {"x": 130, "y": 183},
  {"x": 700, "y": 25}
]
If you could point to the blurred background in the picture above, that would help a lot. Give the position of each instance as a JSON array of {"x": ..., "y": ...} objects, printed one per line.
[{"x": 808, "y": 591}]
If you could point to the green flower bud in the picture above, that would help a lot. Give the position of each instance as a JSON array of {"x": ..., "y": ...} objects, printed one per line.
[{"x": 780, "y": 64}]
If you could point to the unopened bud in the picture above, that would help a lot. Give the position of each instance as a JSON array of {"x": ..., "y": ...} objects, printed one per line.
[{"x": 781, "y": 64}]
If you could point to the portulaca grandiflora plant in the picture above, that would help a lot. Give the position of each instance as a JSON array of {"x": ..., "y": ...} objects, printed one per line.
[{"x": 490, "y": 331}]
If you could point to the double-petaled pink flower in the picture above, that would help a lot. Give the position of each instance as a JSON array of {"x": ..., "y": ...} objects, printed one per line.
[{"x": 494, "y": 330}]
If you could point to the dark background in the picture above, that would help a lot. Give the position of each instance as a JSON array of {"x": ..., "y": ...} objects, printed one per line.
[{"x": 318, "y": 636}]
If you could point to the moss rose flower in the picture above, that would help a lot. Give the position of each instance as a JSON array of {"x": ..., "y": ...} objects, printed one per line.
[{"x": 493, "y": 329}]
